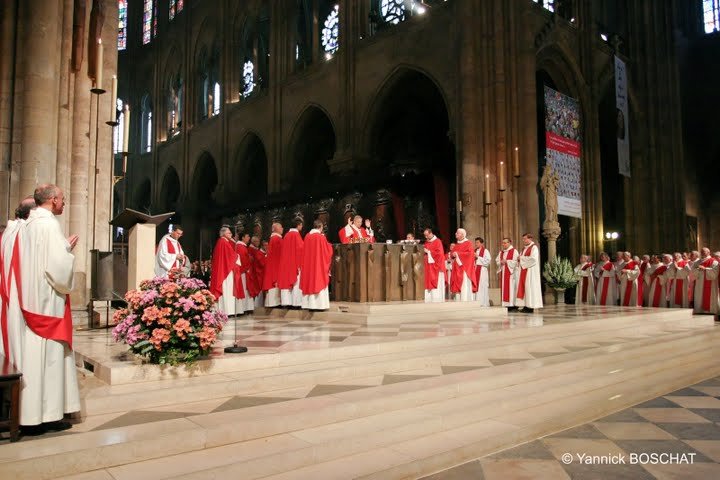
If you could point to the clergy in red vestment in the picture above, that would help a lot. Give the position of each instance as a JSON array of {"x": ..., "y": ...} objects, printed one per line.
[
  {"x": 606, "y": 289},
  {"x": 222, "y": 272},
  {"x": 585, "y": 289},
  {"x": 507, "y": 270},
  {"x": 706, "y": 284},
  {"x": 272, "y": 267},
  {"x": 257, "y": 267},
  {"x": 659, "y": 275},
  {"x": 679, "y": 273},
  {"x": 344, "y": 231},
  {"x": 290, "y": 263},
  {"x": 628, "y": 276},
  {"x": 529, "y": 290},
  {"x": 462, "y": 284},
  {"x": 642, "y": 284},
  {"x": 169, "y": 253},
  {"x": 482, "y": 272},
  {"x": 355, "y": 231},
  {"x": 315, "y": 268},
  {"x": 434, "y": 268},
  {"x": 244, "y": 302}
]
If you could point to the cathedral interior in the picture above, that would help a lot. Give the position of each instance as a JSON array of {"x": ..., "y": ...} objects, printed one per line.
[{"x": 412, "y": 113}]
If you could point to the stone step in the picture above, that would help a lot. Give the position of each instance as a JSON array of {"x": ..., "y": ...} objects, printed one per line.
[
  {"x": 156, "y": 394},
  {"x": 94, "y": 450},
  {"x": 407, "y": 432}
]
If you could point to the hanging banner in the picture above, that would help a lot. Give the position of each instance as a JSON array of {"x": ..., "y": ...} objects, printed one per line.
[
  {"x": 623, "y": 130},
  {"x": 563, "y": 144}
]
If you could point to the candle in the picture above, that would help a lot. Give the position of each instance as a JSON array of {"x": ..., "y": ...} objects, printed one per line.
[
  {"x": 516, "y": 162},
  {"x": 126, "y": 128},
  {"x": 124, "y": 170},
  {"x": 487, "y": 189},
  {"x": 99, "y": 65},
  {"x": 113, "y": 100},
  {"x": 501, "y": 177}
]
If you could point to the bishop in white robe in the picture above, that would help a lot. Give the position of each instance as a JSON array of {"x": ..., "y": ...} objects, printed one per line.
[{"x": 169, "y": 253}]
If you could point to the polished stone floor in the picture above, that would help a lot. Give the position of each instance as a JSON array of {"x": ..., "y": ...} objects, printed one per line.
[
  {"x": 320, "y": 399},
  {"x": 684, "y": 423}
]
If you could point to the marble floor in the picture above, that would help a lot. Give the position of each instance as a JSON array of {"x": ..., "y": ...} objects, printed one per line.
[
  {"x": 684, "y": 423},
  {"x": 320, "y": 399}
]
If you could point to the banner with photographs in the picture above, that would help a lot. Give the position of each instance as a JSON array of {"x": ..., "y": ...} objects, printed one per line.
[
  {"x": 621, "y": 104},
  {"x": 563, "y": 144}
]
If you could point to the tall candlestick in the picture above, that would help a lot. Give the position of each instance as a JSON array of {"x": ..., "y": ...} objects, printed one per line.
[
  {"x": 487, "y": 189},
  {"x": 126, "y": 128},
  {"x": 124, "y": 170},
  {"x": 501, "y": 177},
  {"x": 99, "y": 65},
  {"x": 516, "y": 162},
  {"x": 113, "y": 100}
]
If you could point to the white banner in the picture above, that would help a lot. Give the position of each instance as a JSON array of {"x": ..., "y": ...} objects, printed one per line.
[{"x": 623, "y": 130}]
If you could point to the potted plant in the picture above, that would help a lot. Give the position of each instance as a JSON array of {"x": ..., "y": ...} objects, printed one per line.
[
  {"x": 169, "y": 320},
  {"x": 560, "y": 275}
]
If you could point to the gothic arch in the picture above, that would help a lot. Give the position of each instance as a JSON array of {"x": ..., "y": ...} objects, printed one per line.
[
  {"x": 142, "y": 195},
  {"x": 170, "y": 190},
  {"x": 312, "y": 145},
  {"x": 385, "y": 90},
  {"x": 249, "y": 169}
]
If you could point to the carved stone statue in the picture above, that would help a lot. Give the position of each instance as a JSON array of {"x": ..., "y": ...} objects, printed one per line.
[{"x": 549, "y": 184}]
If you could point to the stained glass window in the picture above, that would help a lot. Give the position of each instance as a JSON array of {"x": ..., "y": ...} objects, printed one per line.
[
  {"x": 392, "y": 11},
  {"x": 331, "y": 31},
  {"x": 148, "y": 137},
  {"x": 216, "y": 99},
  {"x": 547, "y": 4},
  {"x": 711, "y": 15},
  {"x": 155, "y": 17},
  {"x": 248, "y": 79},
  {"x": 147, "y": 21},
  {"x": 175, "y": 8},
  {"x": 122, "y": 25}
]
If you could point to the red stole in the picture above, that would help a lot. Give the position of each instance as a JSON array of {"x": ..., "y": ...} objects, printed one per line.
[
  {"x": 606, "y": 283},
  {"x": 506, "y": 255},
  {"x": 432, "y": 270},
  {"x": 707, "y": 284},
  {"x": 523, "y": 272},
  {"x": 45, "y": 326},
  {"x": 679, "y": 283},
  {"x": 655, "y": 289},
  {"x": 628, "y": 283},
  {"x": 171, "y": 249},
  {"x": 585, "y": 283},
  {"x": 479, "y": 268}
]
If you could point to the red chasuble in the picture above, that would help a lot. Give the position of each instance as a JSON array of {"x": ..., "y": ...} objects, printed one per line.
[
  {"x": 433, "y": 270},
  {"x": 291, "y": 260},
  {"x": 257, "y": 267},
  {"x": 466, "y": 253},
  {"x": 223, "y": 264},
  {"x": 343, "y": 236},
  {"x": 272, "y": 264},
  {"x": 244, "y": 267},
  {"x": 317, "y": 255}
]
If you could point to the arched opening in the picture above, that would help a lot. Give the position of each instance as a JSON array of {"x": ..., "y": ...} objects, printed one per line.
[
  {"x": 411, "y": 153},
  {"x": 250, "y": 172},
  {"x": 170, "y": 191},
  {"x": 313, "y": 146},
  {"x": 201, "y": 213},
  {"x": 613, "y": 184},
  {"x": 142, "y": 197}
]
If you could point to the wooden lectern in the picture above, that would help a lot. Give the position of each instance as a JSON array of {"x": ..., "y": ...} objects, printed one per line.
[{"x": 141, "y": 243}]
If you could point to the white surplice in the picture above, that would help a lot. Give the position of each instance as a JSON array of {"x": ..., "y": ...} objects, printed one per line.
[
  {"x": 50, "y": 387},
  {"x": 679, "y": 285},
  {"x": 530, "y": 262},
  {"x": 226, "y": 302},
  {"x": 482, "y": 262},
  {"x": 586, "y": 283},
  {"x": 14, "y": 324},
  {"x": 607, "y": 285},
  {"x": 706, "y": 299},
  {"x": 628, "y": 276},
  {"x": 164, "y": 259}
]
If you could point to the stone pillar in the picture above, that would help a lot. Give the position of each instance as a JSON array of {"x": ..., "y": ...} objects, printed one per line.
[
  {"x": 41, "y": 27},
  {"x": 8, "y": 31},
  {"x": 551, "y": 231}
]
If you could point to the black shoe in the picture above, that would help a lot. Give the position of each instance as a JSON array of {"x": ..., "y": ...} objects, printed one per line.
[
  {"x": 528, "y": 310},
  {"x": 57, "y": 426},
  {"x": 512, "y": 309},
  {"x": 32, "y": 430}
]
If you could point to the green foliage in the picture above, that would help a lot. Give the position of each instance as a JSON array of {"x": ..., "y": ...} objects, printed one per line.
[{"x": 559, "y": 273}]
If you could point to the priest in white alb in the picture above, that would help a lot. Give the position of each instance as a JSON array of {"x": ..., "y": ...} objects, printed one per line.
[
  {"x": 45, "y": 273},
  {"x": 606, "y": 289},
  {"x": 585, "y": 289},
  {"x": 169, "y": 253},
  {"x": 462, "y": 282},
  {"x": 529, "y": 289},
  {"x": 12, "y": 324},
  {"x": 482, "y": 262},
  {"x": 658, "y": 276},
  {"x": 315, "y": 268},
  {"x": 507, "y": 266},
  {"x": 706, "y": 284},
  {"x": 628, "y": 276},
  {"x": 679, "y": 272},
  {"x": 434, "y": 268}
]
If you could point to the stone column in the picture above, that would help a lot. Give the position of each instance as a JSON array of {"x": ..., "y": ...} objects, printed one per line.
[{"x": 41, "y": 26}]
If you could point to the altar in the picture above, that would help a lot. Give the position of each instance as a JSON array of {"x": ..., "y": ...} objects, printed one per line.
[{"x": 378, "y": 272}]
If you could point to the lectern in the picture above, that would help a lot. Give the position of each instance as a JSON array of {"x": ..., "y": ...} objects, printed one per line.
[{"x": 141, "y": 243}]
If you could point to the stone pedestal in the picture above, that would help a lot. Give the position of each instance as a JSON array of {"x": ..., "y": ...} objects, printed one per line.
[{"x": 551, "y": 231}]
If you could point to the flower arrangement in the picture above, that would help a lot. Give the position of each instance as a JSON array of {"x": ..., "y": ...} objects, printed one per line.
[
  {"x": 560, "y": 273},
  {"x": 169, "y": 320}
]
